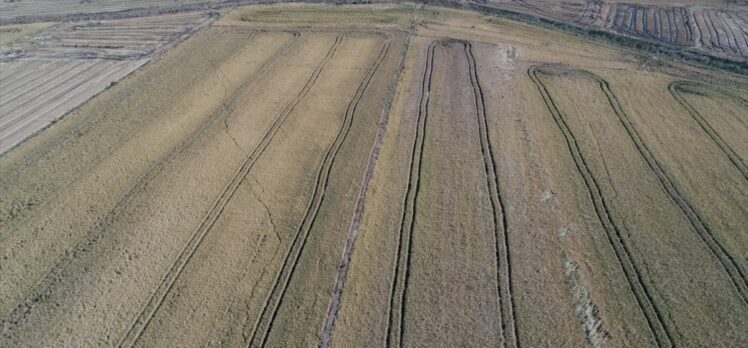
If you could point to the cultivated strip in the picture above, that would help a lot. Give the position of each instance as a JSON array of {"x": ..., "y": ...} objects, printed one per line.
[
  {"x": 622, "y": 251},
  {"x": 54, "y": 276},
  {"x": 677, "y": 88},
  {"x": 505, "y": 288},
  {"x": 157, "y": 298},
  {"x": 264, "y": 324},
  {"x": 395, "y": 332},
  {"x": 358, "y": 215}
]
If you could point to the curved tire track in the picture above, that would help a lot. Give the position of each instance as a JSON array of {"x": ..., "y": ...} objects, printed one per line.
[
  {"x": 638, "y": 286},
  {"x": 157, "y": 298},
  {"x": 677, "y": 88},
  {"x": 669, "y": 185},
  {"x": 264, "y": 325}
]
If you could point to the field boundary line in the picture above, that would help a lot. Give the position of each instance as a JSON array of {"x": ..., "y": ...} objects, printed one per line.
[
  {"x": 265, "y": 321},
  {"x": 505, "y": 292},
  {"x": 676, "y": 88},
  {"x": 395, "y": 325},
  {"x": 158, "y": 296},
  {"x": 634, "y": 276}
]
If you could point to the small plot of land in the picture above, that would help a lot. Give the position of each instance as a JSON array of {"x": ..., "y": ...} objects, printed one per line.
[{"x": 379, "y": 175}]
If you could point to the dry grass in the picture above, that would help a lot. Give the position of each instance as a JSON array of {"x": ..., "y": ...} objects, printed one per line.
[{"x": 529, "y": 188}]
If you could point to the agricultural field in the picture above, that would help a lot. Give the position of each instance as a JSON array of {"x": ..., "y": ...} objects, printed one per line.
[
  {"x": 27, "y": 11},
  {"x": 56, "y": 69},
  {"x": 716, "y": 28},
  {"x": 386, "y": 175}
]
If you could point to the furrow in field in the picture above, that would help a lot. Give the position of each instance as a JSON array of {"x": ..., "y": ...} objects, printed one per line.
[
  {"x": 622, "y": 250},
  {"x": 677, "y": 89},
  {"x": 154, "y": 302},
  {"x": 37, "y": 76},
  {"x": 19, "y": 94},
  {"x": 505, "y": 288},
  {"x": 41, "y": 115},
  {"x": 60, "y": 90},
  {"x": 404, "y": 247},
  {"x": 265, "y": 324},
  {"x": 23, "y": 69}
]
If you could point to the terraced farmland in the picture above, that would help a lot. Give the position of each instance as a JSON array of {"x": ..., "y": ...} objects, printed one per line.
[{"x": 379, "y": 175}]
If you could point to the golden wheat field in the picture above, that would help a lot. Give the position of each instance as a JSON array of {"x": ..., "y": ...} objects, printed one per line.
[{"x": 381, "y": 175}]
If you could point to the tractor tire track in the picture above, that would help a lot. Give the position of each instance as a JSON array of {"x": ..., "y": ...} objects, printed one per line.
[
  {"x": 54, "y": 276},
  {"x": 669, "y": 185},
  {"x": 396, "y": 312},
  {"x": 634, "y": 277},
  {"x": 154, "y": 302},
  {"x": 358, "y": 216},
  {"x": 264, "y": 325},
  {"x": 677, "y": 88},
  {"x": 505, "y": 288}
]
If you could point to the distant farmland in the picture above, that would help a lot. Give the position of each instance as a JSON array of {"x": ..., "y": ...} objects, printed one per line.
[{"x": 386, "y": 175}]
